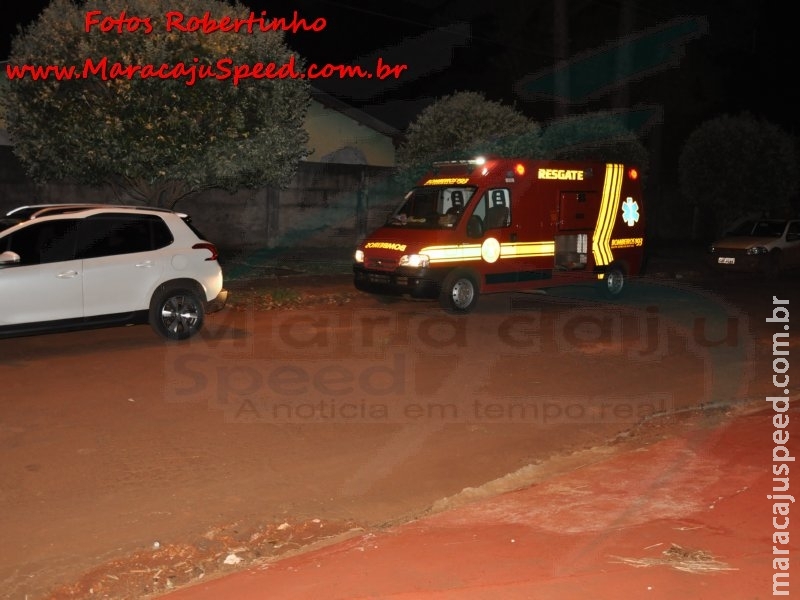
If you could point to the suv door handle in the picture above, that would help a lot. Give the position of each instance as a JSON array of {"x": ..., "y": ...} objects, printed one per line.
[
  {"x": 145, "y": 264},
  {"x": 67, "y": 274}
]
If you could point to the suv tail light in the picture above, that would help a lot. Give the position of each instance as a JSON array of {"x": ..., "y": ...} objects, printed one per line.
[{"x": 207, "y": 246}]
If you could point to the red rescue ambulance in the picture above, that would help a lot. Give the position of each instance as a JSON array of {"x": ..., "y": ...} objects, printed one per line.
[{"x": 500, "y": 225}]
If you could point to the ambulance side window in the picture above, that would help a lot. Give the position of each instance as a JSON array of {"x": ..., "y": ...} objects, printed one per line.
[{"x": 497, "y": 204}]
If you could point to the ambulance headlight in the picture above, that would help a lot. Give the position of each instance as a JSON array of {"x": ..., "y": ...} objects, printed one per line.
[
  {"x": 757, "y": 250},
  {"x": 415, "y": 260},
  {"x": 359, "y": 256}
]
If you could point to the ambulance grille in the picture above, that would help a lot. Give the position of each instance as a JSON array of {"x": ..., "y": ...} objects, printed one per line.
[{"x": 382, "y": 264}]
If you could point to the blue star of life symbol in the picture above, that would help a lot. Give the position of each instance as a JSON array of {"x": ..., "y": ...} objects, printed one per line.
[{"x": 630, "y": 212}]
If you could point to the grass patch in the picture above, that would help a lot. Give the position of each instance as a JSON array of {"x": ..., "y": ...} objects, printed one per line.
[
  {"x": 283, "y": 296},
  {"x": 287, "y": 261},
  {"x": 260, "y": 297}
]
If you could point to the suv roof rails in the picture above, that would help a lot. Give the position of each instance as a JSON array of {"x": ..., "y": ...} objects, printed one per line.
[
  {"x": 60, "y": 209},
  {"x": 41, "y": 210},
  {"x": 34, "y": 210}
]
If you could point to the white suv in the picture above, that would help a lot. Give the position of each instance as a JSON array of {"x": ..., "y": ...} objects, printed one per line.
[{"x": 76, "y": 266}]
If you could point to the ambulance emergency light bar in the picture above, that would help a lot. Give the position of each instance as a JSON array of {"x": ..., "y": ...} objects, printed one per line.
[{"x": 472, "y": 162}]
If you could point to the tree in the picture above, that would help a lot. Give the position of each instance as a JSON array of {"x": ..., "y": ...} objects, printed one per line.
[
  {"x": 155, "y": 138},
  {"x": 734, "y": 166},
  {"x": 463, "y": 125},
  {"x": 594, "y": 136}
]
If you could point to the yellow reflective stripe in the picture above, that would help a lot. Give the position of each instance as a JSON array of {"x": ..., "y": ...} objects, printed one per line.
[
  {"x": 609, "y": 205},
  {"x": 527, "y": 249},
  {"x": 440, "y": 254},
  {"x": 444, "y": 254}
]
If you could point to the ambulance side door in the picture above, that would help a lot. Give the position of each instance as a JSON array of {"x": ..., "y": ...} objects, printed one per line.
[{"x": 493, "y": 211}]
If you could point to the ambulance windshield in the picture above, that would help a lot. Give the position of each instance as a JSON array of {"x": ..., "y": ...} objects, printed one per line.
[{"x": 431, "y": 207}]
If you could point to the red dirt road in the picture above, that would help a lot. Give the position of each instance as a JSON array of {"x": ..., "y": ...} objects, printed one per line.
[{"x": 131, "y": 466}]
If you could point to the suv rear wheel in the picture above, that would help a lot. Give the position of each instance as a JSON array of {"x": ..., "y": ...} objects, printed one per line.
[{"x": 176, "y": 312}]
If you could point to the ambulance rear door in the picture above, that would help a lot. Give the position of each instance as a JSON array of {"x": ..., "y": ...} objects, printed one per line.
[{"x": 577, "y": 218}]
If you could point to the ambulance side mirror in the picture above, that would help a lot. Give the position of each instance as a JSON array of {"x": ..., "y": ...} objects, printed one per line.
[{"x": 475, "y": 227}]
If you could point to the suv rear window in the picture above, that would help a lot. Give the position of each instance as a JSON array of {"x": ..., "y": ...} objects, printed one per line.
[{"x": 190, "y": 225}]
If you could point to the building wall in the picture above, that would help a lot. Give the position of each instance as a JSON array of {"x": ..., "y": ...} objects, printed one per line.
[
  {"x": 325, "y": 205},
  {"x": 335, "y": 137}
]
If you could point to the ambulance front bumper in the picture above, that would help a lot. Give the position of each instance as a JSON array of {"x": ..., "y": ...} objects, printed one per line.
[{"x": 424, "y": 283}]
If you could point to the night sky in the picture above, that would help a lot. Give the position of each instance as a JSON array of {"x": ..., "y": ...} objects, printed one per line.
[{"x": 737, "y": 63}]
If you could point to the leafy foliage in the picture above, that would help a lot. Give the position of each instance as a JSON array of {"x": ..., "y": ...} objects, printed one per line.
[
  {"x": 462, "y": 125},
  {"x": 595, "y": 136},
  {"x": 466, "y": 125},
  {"x": 155, "y": 139},
  {"x": 733, "y": 166}
]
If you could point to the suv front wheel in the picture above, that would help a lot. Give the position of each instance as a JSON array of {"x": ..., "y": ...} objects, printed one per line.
[{"x": 176, "y": 312}]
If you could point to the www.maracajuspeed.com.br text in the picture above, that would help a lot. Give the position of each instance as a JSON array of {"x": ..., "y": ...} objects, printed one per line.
[{"x": 223, "y": 69}]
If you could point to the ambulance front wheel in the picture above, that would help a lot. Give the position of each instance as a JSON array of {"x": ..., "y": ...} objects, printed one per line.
[
  {"x": 459, "y": 292},
  {"x": 613, "y": 282}
]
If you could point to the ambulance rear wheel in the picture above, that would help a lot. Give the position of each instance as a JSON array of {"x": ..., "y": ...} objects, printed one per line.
[
  {"x": 613, "y": 282},
  {"x": 459, "y": 292}
]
